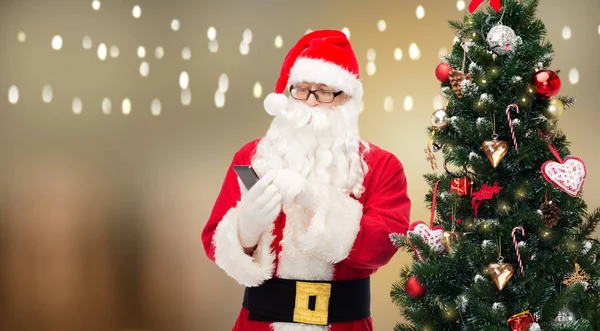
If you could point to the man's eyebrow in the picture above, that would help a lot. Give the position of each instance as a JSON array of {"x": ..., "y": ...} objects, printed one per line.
[{"x": 319, "y": 86}]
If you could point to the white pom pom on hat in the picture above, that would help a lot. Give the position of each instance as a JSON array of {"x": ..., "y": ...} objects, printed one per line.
[{"x": 274, "y": 103}]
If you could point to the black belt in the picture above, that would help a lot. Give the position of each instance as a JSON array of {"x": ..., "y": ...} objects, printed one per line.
[{"x": 309, "y": 302}]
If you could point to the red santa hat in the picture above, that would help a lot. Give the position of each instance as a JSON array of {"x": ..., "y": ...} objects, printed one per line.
[{"x": 321, "y": 57}]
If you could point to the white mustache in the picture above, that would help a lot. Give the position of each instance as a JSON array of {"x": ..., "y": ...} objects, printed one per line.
[{"x": 300, "y": 115}]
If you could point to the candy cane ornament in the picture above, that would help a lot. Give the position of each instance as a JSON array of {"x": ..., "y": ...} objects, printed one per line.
[
  {"x": 517, "y": 246},
  {"x": 512, "y": 130}
]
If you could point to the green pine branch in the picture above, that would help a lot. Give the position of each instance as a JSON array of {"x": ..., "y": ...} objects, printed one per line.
[
  {"x": 588, "y": 226},
  {"x": 399, "y": 240},
  {"x": 456, "y": 26},
  {"x": 404, "y": 327},
  {"x": 567, "y": 102},
  {"x": 596, "y": 312},
  {"x": 397, "y": 293},
  {"x": 577, "y": 325},
  {"x": 560, "y": 302}
]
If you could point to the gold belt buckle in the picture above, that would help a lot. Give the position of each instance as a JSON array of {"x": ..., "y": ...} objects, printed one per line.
[{"x": 321, "y": 292}]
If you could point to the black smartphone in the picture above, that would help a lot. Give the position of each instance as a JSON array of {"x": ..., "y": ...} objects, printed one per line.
[{"x": 247, "y": 175}]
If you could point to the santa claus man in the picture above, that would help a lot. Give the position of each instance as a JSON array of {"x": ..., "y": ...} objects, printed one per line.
[{"x": 306, "y": 237}]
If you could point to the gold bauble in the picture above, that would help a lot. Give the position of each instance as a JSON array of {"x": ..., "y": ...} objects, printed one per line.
[
  {"x": 439, "y": 118},
  {"x": 554, "y": 110}
]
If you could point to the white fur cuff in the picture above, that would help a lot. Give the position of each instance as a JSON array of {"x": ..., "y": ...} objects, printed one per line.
[
  {"x": 230, "y": 256},
  {"x": 334, "y": 226}
]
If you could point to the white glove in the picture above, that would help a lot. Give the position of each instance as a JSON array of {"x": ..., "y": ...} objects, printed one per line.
[
  {"x": 294, "y": 187},
  {"x": 257, "y": 210}
]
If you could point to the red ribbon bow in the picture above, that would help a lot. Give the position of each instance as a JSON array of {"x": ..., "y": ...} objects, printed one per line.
[
  {"x": 485, "y": 193},
  {"x": 474, "y": 5}
]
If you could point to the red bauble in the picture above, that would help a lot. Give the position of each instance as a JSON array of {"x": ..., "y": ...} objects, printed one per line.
[
  {"x": 414, "y": 289},
  {"x": 442, "y": 71},
  {"x": 547, "y": 83}
]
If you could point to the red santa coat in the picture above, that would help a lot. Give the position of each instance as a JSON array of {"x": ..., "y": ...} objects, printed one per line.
[{"x": 347, "y": 239}]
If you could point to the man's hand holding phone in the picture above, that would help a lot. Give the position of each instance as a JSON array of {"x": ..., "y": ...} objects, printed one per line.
[{"x": 258, "y": 208}]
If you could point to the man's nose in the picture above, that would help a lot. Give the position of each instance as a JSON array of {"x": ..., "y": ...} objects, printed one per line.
[{"x": 312, "y": 100}]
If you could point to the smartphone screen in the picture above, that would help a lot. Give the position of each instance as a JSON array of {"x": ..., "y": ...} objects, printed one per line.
[{"x": 246, "y": 175}]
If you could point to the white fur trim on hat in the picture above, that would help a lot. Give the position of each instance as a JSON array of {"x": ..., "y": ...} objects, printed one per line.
[
  {"x": 324, "y": 72},
  {"x": 275, "y": 103}
]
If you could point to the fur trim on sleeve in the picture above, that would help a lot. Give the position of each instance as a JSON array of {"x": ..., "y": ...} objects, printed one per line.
[{"x": 230, "y": 256}]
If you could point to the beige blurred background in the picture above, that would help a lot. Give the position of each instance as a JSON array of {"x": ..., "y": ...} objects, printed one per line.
[{"x": 101, "y": 208}]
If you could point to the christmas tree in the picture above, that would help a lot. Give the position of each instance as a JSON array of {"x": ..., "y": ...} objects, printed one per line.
[{"x": 507, "y": 246}]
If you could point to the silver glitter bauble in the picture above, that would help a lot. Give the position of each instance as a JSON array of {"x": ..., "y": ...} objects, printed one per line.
[
  {"x": 564, "y": 316},
  {"x": 502, "y": 40},
  {"x": 439, "y": 118}
]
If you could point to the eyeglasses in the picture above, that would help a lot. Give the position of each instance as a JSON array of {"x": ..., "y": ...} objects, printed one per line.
[{"x": 300, "y": 93}]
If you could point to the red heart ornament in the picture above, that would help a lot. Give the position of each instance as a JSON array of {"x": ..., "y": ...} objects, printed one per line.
[
  {"x": 433, "y": 237},
  {"x": 567, "y": 176}
]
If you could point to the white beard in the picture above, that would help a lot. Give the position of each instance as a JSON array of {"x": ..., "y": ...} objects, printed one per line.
[{"x": 322, "y": 144}]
